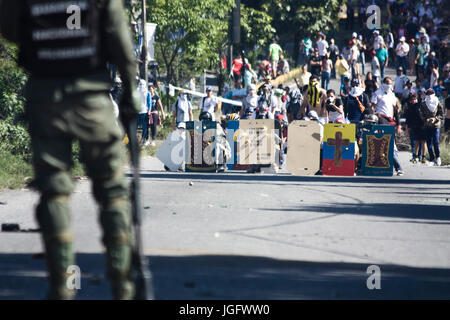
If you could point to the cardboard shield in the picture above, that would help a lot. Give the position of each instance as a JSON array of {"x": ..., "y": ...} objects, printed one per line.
[
  {"x": 200, "y": 146},
  {"x": 338, "y": 149},
  {"x": 378, "y": 150},
  {"x": 232, "y": 137},
  {"x": 303, "y": 156},
  {"x": 256, "y": 142},
  {"x": 172, "y": 151}
]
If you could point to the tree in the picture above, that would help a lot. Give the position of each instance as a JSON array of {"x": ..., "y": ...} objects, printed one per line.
[
  {"x": 303, "y": 17},
  {"x": 188, "y": 35}
]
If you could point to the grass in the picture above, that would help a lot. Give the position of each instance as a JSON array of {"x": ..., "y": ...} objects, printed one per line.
[{"x": 15, "y": 171}]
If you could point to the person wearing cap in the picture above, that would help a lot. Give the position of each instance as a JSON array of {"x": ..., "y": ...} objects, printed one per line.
[
  {"x": 402, "y": 51},
  {"x": 322, "y": 45},
  {"x": 432, "y": 114},
  {"x": 386, "y": 107},
  {"x": 376, "y": 67},
  {"x": 345, "y": 89},
  {"x": 209, "y": 104},
  {"x": 377, "y": 40},
  {"x": 357, "y": 103},
  {"x": 399, "y": 82},
  {"x": 315, "y": 63},
  {"x": 293, "y": 103},
  {"x": 422, "y": 55},
  {"x": 423, "y": 34}
]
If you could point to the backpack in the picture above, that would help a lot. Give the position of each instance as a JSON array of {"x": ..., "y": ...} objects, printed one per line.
[{"x": 54, "y": 44}]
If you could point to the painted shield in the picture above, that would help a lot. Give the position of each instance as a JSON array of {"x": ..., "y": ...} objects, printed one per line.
[
  {"x": 338, "y": 150},
  {"x": 378, "y": 150},
  {"x": 200, "y": 146}
]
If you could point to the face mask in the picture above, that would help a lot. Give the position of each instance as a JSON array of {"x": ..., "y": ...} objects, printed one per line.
[{"x": 386, "y": 87}]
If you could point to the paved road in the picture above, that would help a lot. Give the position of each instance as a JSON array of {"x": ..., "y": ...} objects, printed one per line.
[{"x": 242, "y": 236}]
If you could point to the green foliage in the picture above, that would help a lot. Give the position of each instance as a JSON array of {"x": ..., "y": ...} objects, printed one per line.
[
  {"x": 256, "y": 27},
  {"x": 303, "y": 16},
  {"x": 189, "y": 34}
]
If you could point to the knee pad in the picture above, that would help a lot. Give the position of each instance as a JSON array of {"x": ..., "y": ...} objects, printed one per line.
[{"x": 53, "y": 216}]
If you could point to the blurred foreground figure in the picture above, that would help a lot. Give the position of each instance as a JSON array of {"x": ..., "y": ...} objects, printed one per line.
[{"x": 65, "y": 48}]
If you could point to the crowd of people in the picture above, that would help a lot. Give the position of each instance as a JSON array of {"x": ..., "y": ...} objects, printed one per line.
[{"x": 415, "y": 44}]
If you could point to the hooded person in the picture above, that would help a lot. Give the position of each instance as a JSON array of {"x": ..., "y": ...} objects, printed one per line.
[
  {"x": 357, "y": 103},
  {"x": 315, "y": 96},
  {"x": 432, "y": 113},
  {"x": 182, "y": 111}
]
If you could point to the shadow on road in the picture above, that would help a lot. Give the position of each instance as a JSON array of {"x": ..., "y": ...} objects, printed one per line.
[
  {"x": 235, "y": 277},
  {"x": 288, "y": 178},
  {"x": 398, "y": 210}
]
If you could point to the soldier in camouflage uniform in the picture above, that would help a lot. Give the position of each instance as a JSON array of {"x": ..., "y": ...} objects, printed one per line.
[{"x": 67, "y": 100}]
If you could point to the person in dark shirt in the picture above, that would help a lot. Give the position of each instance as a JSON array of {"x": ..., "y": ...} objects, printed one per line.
[
  {"x": 315, "y": 64},
  {"x": 415, "y": 128}
]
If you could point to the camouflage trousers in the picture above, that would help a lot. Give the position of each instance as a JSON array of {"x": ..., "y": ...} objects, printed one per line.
[{"x": 88, "y": 119}]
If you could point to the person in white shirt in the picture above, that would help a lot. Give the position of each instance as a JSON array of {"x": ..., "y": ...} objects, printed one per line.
[
  {"x": 208, "y": 104},
  {"x": 399, "y": 83},
  {"x": 402, "y": 51},
  {"x": 377, "y": 40},
  {"x": 384, "y": 102},
  {"x": 322, "y": 45},
  {"x": 182, "y": 111},
  {"x": 376, "y": 68},
  {"x": 142, "y": 119},
  {"x": 354, "y": 53}
]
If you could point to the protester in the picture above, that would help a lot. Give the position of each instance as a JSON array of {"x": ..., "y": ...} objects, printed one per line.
[
  {"x": 182, "y": 111},
  {"x": 386, "y": 107},
  {"x": 294, "y": 102},
  {"x": 402, "y": 51},
  {"x": 334, "y": 107},
  {"x": 304, "y": 77},
  {"x": 322, "y": 45},
  {"x": 274, "y": 55},
  {"x": 334, "y": 53},
  {"x": 327, "y": 65},
  {"x": 209, "y": 104},
  {"x": 432, "y": 115},
  {"x": 342, "y": 68},
  {"x": 447, "y": 108},
  {"x": 383, "y": 58},
  {"x": 315, "y": 64},
  {"x": 314, "y": 98},
  {"x": 399, "y": 83},
  {"x": 238, "y": 94},
  {"x": 357, "y": 103},
  {"x": 415, "y": 128},
  {"x": 305, "y": 47},
  {"x": 371, "y": 84},
  {"x": 155, "y": 105},
  {"x": 142, "y": 120}
]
